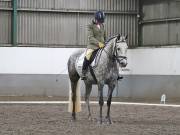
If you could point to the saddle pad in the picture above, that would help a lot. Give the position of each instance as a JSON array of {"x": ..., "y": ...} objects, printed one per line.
[{"x": 79, "y": 61}]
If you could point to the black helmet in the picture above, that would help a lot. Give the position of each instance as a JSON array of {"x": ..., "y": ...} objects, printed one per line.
[{"x": 100, "y": 16}]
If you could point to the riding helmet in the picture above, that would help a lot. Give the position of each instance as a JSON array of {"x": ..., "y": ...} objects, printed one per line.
[{"x": 100, "y": 16}]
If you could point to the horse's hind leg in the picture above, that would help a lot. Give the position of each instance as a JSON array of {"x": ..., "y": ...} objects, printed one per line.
[
  {"x": 73, "y": 87},
  {"x": 87, "y": 95},
  {"x": 74, "y": 77},
  {"x": 74, "y": 81}
]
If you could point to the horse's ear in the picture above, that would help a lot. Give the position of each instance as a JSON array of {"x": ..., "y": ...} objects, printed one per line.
[
  {"x": 118, "y": 37},
  {"x": 126, "y": 37}
]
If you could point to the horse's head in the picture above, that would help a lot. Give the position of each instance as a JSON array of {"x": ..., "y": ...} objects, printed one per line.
[{"x": 120, "y": 50}]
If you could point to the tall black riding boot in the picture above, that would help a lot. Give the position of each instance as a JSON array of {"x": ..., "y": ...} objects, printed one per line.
[{"x": 84, "y": 69}]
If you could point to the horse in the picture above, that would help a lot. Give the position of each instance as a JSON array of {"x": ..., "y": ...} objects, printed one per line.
[{"x": 112, "y": 57}]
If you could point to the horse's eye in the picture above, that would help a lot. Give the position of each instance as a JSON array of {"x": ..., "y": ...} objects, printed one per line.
[{"x": 118, "y": 49}]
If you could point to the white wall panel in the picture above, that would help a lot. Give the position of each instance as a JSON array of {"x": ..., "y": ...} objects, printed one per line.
[{"x": 141, "y": 61}]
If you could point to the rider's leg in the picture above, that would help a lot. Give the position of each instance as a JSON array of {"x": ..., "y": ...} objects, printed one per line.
[
  {"x": 86, "y": 63},
  {"x": 84, "y": 68}
]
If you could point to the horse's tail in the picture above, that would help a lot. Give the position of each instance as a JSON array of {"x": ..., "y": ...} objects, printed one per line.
[{"x": 78, "y": 98}]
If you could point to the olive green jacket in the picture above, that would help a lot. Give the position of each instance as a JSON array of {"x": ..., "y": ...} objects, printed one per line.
[{"x": 95, "y": 35}]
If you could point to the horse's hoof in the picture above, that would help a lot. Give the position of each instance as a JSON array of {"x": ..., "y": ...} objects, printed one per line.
[
  {"x": 73, "y": 119},
  {"x": 108, "y": 121},
  {"x": 89, "y": 118},
  {"x": 99, "y": 121}
]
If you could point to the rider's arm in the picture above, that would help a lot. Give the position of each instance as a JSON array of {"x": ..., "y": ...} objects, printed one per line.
[
  {"x": 105, "y": 36},
  {"x": 91, "y": 38}
]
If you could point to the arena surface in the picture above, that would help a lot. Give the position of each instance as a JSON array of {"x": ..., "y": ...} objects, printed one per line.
[{"x": 53, "y": 119}]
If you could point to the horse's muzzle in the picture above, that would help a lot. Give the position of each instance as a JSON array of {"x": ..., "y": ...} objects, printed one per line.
[{"x": 123, "y": 62}]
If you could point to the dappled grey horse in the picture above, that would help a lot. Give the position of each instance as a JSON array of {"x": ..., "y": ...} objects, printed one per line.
[{"x": 112, "y": 56}]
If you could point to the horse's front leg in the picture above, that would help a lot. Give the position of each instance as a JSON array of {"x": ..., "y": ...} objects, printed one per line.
[
  {"x": 110, "y": 91},
  {"x": 101, "y": 101}
]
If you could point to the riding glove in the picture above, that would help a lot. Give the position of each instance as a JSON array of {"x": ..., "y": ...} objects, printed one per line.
[{"x": 101, "y": 45}]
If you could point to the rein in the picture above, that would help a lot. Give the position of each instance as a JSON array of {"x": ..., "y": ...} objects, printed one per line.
[{"x": 115, "y": 55}]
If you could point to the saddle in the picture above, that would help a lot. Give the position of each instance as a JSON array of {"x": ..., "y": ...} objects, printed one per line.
[{"x": 93, "y": 60}]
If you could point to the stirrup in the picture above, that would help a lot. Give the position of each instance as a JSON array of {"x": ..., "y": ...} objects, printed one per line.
[
  {"x": 83, "y": 78},
  {"x": 120, "y": 77}
]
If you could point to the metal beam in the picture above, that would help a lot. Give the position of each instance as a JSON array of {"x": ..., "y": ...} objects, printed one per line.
[
  {"x": 14, "y": 23},
  {"x": 51, "y": 45},
  {"x": 75, "y": 11},
  {"x": 160, "y": 20},
  {"x": 69, "y": 11},
  {"x": 5, "y": 9}
]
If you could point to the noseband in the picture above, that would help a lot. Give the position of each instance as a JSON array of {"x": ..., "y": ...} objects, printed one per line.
[{"x": 116, "y": 57}]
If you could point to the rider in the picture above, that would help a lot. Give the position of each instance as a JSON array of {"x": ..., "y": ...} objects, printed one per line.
[{"x": 96, "y": 39}]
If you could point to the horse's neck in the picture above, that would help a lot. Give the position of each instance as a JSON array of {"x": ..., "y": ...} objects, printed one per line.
[
  {"x": 106, "y": 57},
  {"x": 108, "y": 49},
  {"x": 107, "y": 62}
]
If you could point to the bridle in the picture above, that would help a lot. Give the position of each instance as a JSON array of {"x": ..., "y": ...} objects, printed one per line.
[{"x": 115, "y": 56}]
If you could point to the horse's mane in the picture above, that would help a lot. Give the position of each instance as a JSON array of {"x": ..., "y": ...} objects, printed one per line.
[{"x": 107, "y": 41}]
